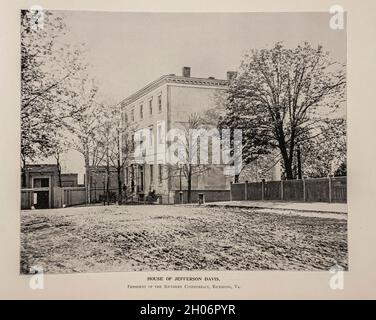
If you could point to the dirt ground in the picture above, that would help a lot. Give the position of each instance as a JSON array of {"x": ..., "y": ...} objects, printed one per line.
[{"x": 143, "y": 238}]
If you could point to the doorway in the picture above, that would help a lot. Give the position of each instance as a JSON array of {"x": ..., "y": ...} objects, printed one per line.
[
  {"x": 141, "y": 178},
  {"x": 41, "y": 199}
]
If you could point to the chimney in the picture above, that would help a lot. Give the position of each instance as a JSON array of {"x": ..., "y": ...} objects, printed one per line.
[
  {"x": 186, "y": 72},
  {"x": 231, "y": 75}
]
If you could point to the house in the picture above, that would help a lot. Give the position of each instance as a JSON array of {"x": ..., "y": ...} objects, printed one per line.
[
  {"x": 40, "y": 181},
  {"x": 160, "y": 106}
]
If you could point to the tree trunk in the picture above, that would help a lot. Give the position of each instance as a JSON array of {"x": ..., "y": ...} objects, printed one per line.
[
  {"x": 298, "y": 155},
  {"x": 108, "y": 176},
  {"x": 119, "y": 182},
  {"x": 23, "y": 174},
  {"x": 287, "y": 161},
  {"x": 288, "y": 169},
  {"x": 87, "y": 179},
  {"x": 119, "y": 169},
  {"x": 58, "y": 165},
  {"x": 189, "y": 182}
]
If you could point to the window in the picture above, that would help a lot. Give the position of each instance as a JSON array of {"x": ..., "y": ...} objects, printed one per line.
[
  {"x": 160, "y": 134},
  {"x": 140, "y": 141},
  {"x": 151, "y": 136},
  {"x": 132, "y": 142},
  {"x": 126, "y": 176},
  {"x": 151, "y": 174},
  {"x": 132, "y": 115},
  {"x": 41, "y": 183},
  {"x": 151, "y": 106},
  {"x": 160, "y": 103},
  {"x": 132, "y": 174},
  {"x": 124, "y": 118},
  {"x": 160, "y": 173},
  {"x": 141, "y": 111}
]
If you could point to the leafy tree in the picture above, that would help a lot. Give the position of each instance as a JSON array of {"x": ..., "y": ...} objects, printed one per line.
[
  {"x": 325, "y": 153},
  {"x": 341, "y": 171},
  {"x": 280, "y": 99},
  {"x": 261, "y": 167},
  {"x": 49, "y": 73}
]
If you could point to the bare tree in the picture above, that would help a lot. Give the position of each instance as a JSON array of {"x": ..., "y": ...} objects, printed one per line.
[
  {"x": 190, "y": 164},
  {"x": 85, "y": 129},
  {"x": 59, "y": 146},
  {"x": 115, "y": 143}
]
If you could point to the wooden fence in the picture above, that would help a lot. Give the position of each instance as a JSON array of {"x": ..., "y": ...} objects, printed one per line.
[
  {"x": 331, "y": 189},
  {"x": 58, "y": 197},
  {"x": 27, "y": 198},
  {"x": 69, "y": 196}
]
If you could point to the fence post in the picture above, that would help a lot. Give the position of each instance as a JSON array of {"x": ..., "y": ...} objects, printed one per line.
[
  {"x": 330, "y": 187},
  {"x": 262, "y": 189},
  {"x": 230, "y": 190},
  {"x": 282, "y": 190},
  {"x": 304, "y": 189},
  {"x": 246, "y": 190}
]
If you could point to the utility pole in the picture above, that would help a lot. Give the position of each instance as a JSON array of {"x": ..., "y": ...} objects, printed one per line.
[
  {"x": 180, "y": 187},
  {"x": 180, "y": 176},
  {"x": 107, "y": 166},
  {"x": 104, "y": 191}
]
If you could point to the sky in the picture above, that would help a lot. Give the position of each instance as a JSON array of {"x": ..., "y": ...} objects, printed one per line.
[{"x": 126, "y": 51}]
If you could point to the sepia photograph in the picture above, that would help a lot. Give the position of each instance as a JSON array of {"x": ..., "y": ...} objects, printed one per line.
[{"x": 178, "y": 141}]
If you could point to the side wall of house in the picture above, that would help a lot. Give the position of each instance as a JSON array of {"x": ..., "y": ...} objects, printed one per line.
[{"x": 185, "y": 101}]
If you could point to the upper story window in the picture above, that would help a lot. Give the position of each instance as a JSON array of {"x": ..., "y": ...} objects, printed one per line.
[
  {"x": 151, "y": 106},
  {"x": 141, "y": 111},
  {"x": 124, "y": 118},
  {"x": 159, "y": 133},
  {"x": 132, "y": 144},
  {"x": 132, "y": 115},
  {"x": 151, "y": 136},
  {"x": 160, "y": 103}
]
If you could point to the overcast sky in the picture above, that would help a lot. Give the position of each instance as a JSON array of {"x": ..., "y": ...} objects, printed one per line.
[{"x": 129, "y": 50}]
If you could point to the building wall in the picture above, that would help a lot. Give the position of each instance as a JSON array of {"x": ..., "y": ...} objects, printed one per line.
[
  {"x": 147, "y": 119},
  {"x": 99, "y": 179},
  {"x": 69, "y": 180},
  {"x": 187, "y": 99}
]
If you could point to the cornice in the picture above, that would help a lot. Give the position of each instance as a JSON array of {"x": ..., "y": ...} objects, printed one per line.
[{"x": 172, "y": 79}]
